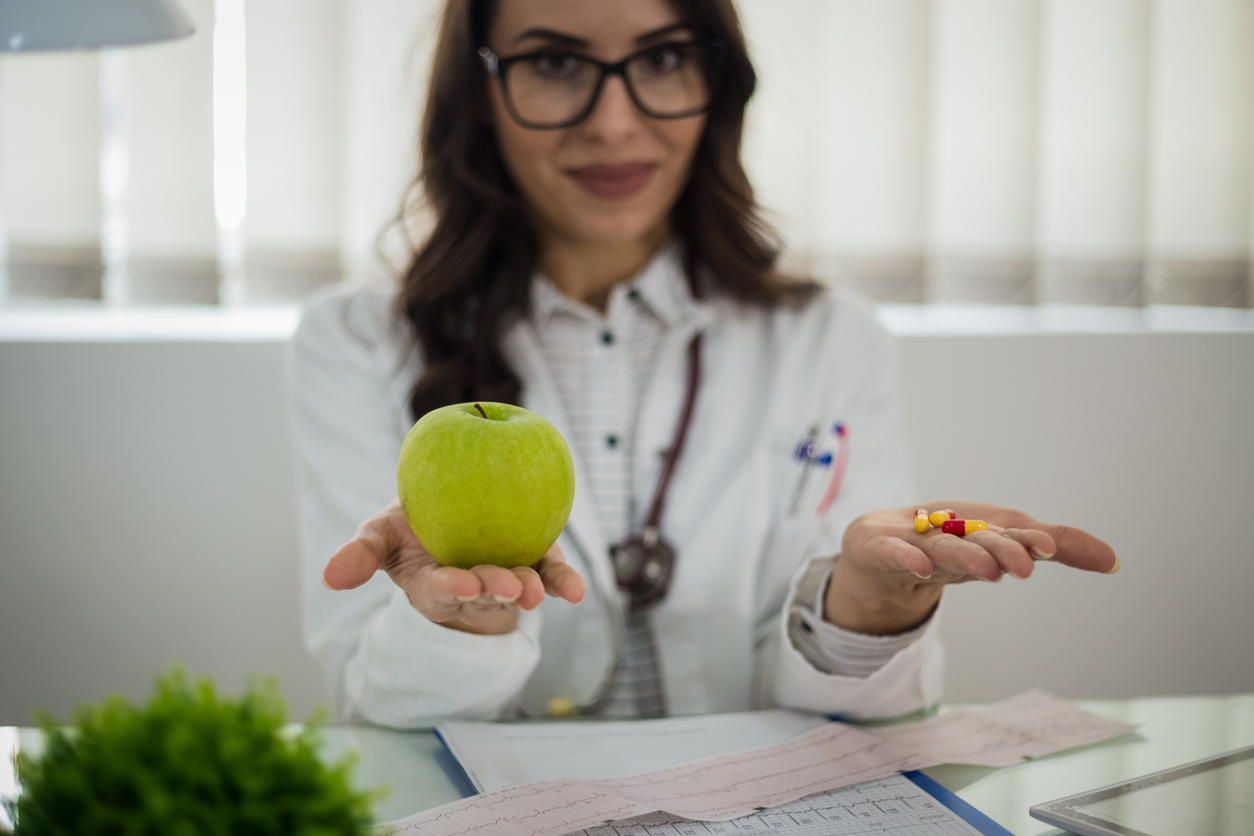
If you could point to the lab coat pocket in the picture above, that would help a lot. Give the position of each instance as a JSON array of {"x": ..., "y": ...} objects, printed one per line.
[{"x": 792, "y": 493}]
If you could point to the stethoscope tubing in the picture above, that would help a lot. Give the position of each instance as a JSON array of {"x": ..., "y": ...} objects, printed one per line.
[{"x": 611, "y": 602}]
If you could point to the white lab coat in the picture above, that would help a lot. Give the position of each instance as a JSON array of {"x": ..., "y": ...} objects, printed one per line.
[{"x": 768, "y": 377}]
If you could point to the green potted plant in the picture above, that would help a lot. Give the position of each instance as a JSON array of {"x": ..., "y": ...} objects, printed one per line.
[{"x": 189, "y": 763}]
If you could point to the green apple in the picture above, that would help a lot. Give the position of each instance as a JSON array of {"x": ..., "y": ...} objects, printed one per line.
[{"x": 485, "y": 483}]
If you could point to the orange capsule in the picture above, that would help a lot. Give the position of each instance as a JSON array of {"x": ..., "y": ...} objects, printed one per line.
[
  {"x": 920, "y": 520},
  {"x": 939, "y": 517},
  {"x": 963, "y": 527}
]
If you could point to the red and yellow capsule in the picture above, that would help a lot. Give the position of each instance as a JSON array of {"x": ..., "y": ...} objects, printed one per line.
[
  {"x": 963, "y": 527},
  {"x": 920, "y": 520},
  {"x": 938, "y": 517}
]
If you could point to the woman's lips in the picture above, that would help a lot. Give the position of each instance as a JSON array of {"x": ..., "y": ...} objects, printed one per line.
[{"x": 613, "y": 182}]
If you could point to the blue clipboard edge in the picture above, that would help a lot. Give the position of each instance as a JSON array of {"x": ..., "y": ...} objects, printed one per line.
[
  {"x": 460, "y": 778},
  {"x": 964, "y": 810}
]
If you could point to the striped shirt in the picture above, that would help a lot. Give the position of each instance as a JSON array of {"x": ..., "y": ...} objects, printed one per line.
[{"x": 602, "y": 363}]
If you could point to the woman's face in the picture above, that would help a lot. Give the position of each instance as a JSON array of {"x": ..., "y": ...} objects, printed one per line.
[{"x": 612, "y": 178}]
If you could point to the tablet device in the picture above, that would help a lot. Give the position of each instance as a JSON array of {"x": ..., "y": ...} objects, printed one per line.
[{"x": 1210, "y": 797}]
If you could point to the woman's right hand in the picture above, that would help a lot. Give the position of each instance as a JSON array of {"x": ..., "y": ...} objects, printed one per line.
[{"x": 483, "y": 599}]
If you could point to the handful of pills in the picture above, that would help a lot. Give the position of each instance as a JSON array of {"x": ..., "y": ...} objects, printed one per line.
[{"x": 947, "y": 521}]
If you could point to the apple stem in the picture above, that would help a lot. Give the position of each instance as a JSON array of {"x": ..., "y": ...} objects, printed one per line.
[{"x": 481, "y": 412}]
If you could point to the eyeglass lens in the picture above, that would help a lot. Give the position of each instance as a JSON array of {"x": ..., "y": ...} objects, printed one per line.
[{"x": 555, "y": 87}]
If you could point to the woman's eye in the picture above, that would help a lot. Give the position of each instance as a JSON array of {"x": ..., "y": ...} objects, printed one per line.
[
  {"x": 556, "y": 64},
  {"x": 664, "y": 59}
]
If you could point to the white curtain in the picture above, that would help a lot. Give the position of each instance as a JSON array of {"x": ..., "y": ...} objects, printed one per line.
[{"x": 1023, "y": 151}]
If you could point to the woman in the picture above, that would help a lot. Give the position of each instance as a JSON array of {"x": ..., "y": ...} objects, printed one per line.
[{"x": 591, "y": 219}]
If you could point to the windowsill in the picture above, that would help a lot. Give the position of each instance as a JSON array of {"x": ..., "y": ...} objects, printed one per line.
[
  {"x": 91, "y": 323},
  {"x": 1006, "y": 320},
  {"x": 88, "y": 322}
]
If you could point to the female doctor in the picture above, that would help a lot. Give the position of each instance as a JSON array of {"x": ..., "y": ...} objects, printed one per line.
[{"x": 596, "y": 256}]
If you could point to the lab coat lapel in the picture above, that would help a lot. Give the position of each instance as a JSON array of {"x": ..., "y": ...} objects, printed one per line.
[{"x": 541, "y": 395}]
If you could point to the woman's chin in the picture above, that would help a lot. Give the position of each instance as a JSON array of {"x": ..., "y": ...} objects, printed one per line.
[{"x": 616, "y": 228}]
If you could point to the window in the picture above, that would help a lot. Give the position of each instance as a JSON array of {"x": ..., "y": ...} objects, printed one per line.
[{"x": 991, "y": 151}]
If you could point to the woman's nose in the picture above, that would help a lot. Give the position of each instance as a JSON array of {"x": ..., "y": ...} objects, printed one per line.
[{"x": 615, "y": 114}]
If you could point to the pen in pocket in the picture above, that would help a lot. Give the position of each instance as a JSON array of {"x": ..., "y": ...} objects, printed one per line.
[
  {"x": 808, "y": 457},
  {"x": 838, "y": 472}
]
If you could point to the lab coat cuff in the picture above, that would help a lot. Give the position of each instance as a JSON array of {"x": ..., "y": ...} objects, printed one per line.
[
  {"x": 909, "y": 679},
  {"x": 411, "y": 672},
  {"x": 833, "y": 649}
]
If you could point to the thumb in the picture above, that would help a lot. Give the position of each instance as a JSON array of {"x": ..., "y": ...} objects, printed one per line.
[
  {"x": 354, "y": 564},
  {"x": 357, "y": 560}
]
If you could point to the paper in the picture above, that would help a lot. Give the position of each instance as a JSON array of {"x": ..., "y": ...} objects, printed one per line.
[
  {"x": 891, "y": 805},
  {"x": 500, "y": 755},
  {"x": 1030, "y": 725},
  {"x": 711, "y": 789},
  {"x": 827, "y": 758}
]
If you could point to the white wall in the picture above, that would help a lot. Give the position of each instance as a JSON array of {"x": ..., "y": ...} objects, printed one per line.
[
  {"x": 1145, "y": 440},
  {"x": 147, "y": 516}
]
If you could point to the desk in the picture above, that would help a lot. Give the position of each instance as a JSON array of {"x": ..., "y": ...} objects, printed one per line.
[{"x": 1173, "y": 730}]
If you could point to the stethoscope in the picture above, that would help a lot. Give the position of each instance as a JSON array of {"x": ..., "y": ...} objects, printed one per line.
[{"x": 644, "y": 563}]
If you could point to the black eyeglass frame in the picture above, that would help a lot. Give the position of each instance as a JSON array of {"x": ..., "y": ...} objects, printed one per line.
[{"x": 497, "y": 66}]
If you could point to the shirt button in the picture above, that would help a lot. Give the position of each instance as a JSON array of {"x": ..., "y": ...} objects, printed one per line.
[
  {"x": 607, "y": 337},
  {"x": 611, "y": 441}
]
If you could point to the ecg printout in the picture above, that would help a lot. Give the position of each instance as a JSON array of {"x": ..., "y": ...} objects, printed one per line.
[
  {"x": 729, "y": 786},
  {"x": 1032, "y": 724},
  {"x": 893, "y": 805},
  {"x": 711, "y": 789}
]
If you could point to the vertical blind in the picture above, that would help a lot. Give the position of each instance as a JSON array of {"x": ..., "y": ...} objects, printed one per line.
[{"x": 1001, "y": 151}]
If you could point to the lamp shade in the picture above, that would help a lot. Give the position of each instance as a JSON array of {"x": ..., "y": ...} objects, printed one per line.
[{"x": 30, "y": 25}]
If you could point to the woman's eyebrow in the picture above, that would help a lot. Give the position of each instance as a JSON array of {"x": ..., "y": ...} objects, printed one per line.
[
  {"x": 665, "y": 30},
  {"x": 551, "y": 35},
  {"x": 579, "y": 43}
]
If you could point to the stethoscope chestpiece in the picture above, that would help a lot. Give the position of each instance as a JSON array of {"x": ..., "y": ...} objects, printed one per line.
[{"x": 643, "y": 566}]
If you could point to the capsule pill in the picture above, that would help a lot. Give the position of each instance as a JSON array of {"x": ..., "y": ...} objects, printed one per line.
[
  {"x": 920, "y": 520},
  {"x": 939, "y": 517},
  {"x": 963, "y": 527}
]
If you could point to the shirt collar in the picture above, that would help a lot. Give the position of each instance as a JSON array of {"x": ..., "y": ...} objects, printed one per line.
[{"x": 662, "y": 285}]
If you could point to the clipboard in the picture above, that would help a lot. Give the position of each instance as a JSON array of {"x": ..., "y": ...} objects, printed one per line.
[{"x": 810, "y": 816}]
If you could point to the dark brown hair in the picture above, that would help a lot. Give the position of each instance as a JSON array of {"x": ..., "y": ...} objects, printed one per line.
[{"x": 471, "y": 275}]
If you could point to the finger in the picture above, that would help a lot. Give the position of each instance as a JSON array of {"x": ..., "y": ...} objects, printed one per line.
[
  {"x": 532, "y": 587},
  {"x": 954, "y": 554},
  {"x": 892, "y": 554},
  {"x": 499, "y": 583},
  {"x": 447, "y": 586},
  {"x": 1039, "y": 544},
  {"x": 1071, "y": 546},
  {"x": 1010, "y": 555},
  {"x": 560, "y": 579},
  {"x": 1079, "y": 549}
]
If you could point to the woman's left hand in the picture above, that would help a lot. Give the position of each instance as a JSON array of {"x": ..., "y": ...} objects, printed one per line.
[{"x": 889, "y": 577}]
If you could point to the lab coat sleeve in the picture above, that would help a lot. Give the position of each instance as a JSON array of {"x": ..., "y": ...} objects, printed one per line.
[
  {"x": 833, "y": 649},
  {"x": 384, "y": 662},
  {"x": 864, "y": 399}
]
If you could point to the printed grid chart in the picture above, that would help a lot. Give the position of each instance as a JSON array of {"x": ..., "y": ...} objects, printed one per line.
[{"x": 892, "y": 805}]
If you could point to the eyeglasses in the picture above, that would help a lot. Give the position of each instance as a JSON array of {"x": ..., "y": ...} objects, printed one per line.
[{"x": 555, "y": 88}]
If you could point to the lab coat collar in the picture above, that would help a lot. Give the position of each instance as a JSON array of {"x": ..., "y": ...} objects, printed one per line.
[{"x": 662, "y": 286}]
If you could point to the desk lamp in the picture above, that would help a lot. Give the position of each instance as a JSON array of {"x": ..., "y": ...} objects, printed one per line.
[{"x": 29, "y": 25}]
